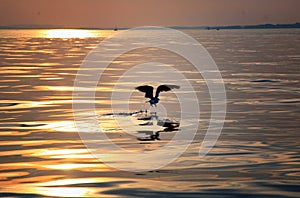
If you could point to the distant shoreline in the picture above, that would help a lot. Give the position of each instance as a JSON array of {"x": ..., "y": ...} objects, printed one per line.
[
  {"x": 237, "y": 27},
  {"x": 232, "y": 27}
]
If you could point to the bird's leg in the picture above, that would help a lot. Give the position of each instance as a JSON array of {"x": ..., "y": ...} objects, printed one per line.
[
  {"x": 146, "y": 110},
  {"x": 155, "y": 108},
  {"x": 152, "y": 110},
  {"x": 157, "y": 135}
]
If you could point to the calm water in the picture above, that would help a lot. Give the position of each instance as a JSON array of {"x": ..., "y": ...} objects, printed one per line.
[{"x": 257, "y": 154}]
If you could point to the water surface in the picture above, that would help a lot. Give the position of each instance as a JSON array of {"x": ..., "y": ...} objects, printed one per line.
[{"x": 257, "y": 154}]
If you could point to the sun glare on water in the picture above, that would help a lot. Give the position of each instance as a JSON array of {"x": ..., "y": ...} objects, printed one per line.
[{"x": 67, "y": 33}]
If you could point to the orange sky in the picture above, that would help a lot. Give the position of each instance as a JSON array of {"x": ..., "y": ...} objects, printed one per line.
[{"x": 131, "y": 13}]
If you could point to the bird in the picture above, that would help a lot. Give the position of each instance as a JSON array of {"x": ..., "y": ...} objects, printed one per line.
[{"x": 149, "y": 92}]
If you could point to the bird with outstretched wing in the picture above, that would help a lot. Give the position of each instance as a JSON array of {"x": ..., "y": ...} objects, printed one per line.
[{"x": 148, "y": 90}]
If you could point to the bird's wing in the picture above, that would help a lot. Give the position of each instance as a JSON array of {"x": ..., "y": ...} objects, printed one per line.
[
  {"x": 165, "y": 88},
  {"x": 146, "y": 89}
]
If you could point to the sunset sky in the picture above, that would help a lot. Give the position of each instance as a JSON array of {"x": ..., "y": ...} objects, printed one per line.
[{"x": 132, "y": 13}]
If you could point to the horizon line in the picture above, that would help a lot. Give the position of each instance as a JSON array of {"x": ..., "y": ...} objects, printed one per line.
[{"x": 253, "y": 26}]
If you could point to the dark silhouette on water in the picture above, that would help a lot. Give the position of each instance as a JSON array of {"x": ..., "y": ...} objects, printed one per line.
[
  {"x": 152, "y": 137},
  {"x": 149, "y": 92},
  {"x": 168, "y": 125},
  {"x": 155, "y": 135}
]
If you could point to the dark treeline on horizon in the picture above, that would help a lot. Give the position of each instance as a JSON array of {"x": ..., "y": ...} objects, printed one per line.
[{"x": 259, "y": 26}]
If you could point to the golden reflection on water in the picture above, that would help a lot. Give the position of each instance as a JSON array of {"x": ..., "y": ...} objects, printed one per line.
[
  {"x": 73, "y": 33},
  {"x": 60, "y": 187},
  {"x": 66, "y": 33},
  {"x": 71, "y": 166},
  {"x": 64, "y": 126},
  {"x": 64, "y": 191}
]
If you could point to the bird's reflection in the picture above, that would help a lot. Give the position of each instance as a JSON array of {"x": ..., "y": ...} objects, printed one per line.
[
  {"x": 168, "y": 125},
  {"x": 152, "y": 137},
  {"x": 148, "y": 119}
]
